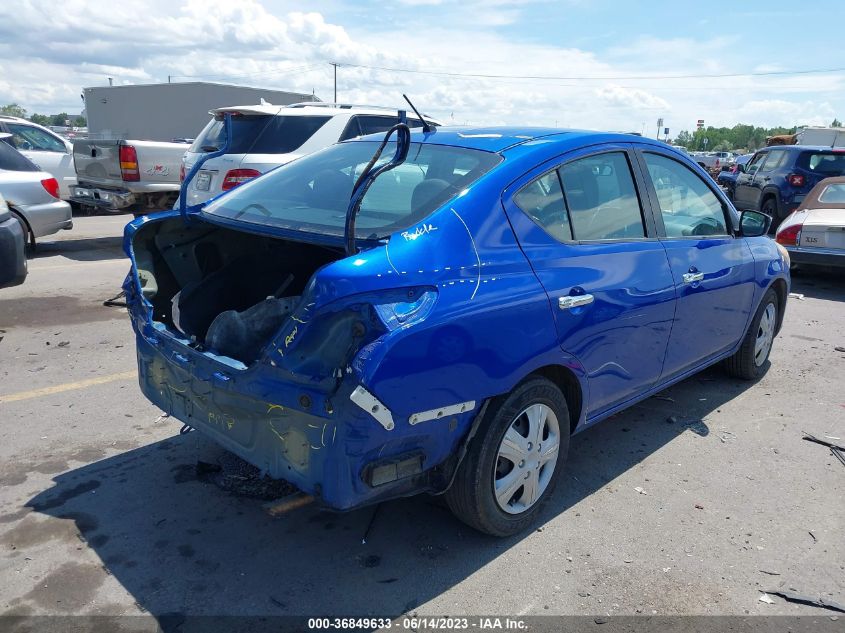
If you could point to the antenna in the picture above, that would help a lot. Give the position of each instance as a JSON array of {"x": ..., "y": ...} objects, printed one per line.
[{"x": 425, "y": 126}]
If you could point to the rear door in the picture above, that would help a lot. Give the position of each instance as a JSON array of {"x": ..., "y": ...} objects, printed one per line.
[
  {"x": 713, "y": 271},
  {"x": 581, "y": 223}
]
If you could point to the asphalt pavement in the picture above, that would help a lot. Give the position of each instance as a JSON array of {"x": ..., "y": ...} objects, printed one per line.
[{"x": 692, "y": 502}]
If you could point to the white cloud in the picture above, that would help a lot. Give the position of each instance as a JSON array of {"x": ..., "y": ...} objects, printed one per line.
[{"x": 50, "y": 51}]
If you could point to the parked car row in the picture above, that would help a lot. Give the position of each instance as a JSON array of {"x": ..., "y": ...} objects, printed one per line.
[{"x": 778, "y": 178}]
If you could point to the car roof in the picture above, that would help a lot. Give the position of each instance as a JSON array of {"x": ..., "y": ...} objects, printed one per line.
[
  {"x": 501, "y": 139},
  {"x": 811, "y": 200},
  {"x": 311, "y": 109},
  {"x": 799, "y": 148}
]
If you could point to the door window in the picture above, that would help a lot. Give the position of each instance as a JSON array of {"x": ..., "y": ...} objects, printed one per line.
[
  {"x": 542, "y": 201},
  {"x": 25, "y": 137},
  {"x": 755, "y": 163},
  {"x": 688, "y": 206},
  {"x": 601, "y": 198},
  {"x": 773, "y": 161}
]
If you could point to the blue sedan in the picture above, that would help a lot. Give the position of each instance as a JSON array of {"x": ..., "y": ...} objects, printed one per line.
[{"x": 440, "y": 310}]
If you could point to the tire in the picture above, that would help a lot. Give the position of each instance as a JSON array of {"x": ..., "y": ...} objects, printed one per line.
[
  {"x": 29, "y": 236},
  {"x": 749, "y": 362},
  {"x": 472, "y": 496},
  {"x": 770, "y": 208}
]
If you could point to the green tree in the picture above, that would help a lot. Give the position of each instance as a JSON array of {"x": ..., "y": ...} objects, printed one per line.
[
  {"x": 40, "y": 119},
  {"x": 80, "y": 121},
  {"x": 59, "y": 119},
  {"x": 13, "y": 109},
  {"x": 684, "y": 138},
  {"x": 836, "y": 123}
]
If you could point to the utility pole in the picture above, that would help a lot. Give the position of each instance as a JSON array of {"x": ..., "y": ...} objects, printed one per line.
[{"x": 335, "y": 80}]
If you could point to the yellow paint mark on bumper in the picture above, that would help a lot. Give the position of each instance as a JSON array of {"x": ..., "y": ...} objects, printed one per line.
[{"x": 68, "y": 386}]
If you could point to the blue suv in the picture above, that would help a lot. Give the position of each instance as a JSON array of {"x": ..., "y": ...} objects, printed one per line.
[
  {"x": 777, "y": 179},
  {"x": 442, "y": 319}
]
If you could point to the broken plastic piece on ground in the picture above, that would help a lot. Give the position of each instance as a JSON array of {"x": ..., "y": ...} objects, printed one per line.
[
  {"x": 163, "y": 416},
  {"x": 640, "y": 490},
  {"x": 117, "y": 301},
  {"x": 796, "y": 295},
  {"x": 286, "y": 504},
  {"x": 813, "y": 438},
  {"x": 838, "y": 454},
  {"x": 791, "y": 596},
  {"x": 765, "y": 598}
]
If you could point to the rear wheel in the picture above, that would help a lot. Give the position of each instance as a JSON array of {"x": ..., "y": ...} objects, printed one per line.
[
  {"x": 28, "y": 235},
  {"x": 749, "y": 362},
  {"x": 770, "y": 208},
  {"x": 512, "y": 466}
]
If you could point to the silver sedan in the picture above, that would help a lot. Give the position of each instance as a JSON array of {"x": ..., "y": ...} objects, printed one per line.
[{"x": 32, "y": 195}]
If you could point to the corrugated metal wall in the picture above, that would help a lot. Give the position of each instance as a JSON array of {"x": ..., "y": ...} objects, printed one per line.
[{"x": 161, "y": 112}]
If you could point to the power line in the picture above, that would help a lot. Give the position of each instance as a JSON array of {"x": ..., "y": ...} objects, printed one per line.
[
  {"x": 611, "y": 78},
  {"x": 295, "y": 70}
]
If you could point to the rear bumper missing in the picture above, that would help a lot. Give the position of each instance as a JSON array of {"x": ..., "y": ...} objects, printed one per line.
[
  {"x": 109, "y": 199},
  {"x": 331, "y": 449}
]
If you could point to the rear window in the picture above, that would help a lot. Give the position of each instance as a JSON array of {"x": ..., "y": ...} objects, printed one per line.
[
  {"x": 312, "y": 194},
  {"x": 823, "y": 162},
  {"x": 264, "y": 134},
  {"x": 834, "y": 194},
  {"x": 12, "y": 160}
]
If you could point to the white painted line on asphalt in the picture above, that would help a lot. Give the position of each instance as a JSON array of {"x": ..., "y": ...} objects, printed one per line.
[
  {"x": 68, "y": 386},
  {"x": 122, "y": 262}
]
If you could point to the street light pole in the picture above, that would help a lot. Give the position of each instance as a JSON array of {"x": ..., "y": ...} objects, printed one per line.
[{"x": 335, "y": 80}]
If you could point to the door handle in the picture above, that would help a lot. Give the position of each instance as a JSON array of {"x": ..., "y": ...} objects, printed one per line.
[
  {"x": 690, "y": 278},
  {"x": 574, "y": 301}
]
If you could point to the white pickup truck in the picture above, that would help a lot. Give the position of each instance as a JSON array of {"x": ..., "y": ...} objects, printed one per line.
[{"x": 127, "y": 175}]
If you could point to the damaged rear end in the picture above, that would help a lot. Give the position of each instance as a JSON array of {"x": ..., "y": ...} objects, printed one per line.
[{"x": 256, "y": 328}]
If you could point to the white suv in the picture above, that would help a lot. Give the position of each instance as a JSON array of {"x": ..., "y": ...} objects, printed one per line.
[{"x": 266, "y": 136}]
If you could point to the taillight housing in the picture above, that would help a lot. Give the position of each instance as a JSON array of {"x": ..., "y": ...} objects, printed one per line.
[
  {"x": 182, "y": 172},
  {"x": 129, "y": 163},
  {"x": 51, "y": 185},
  {"x": 235, "y": 177},
  {"x": 790, "y": 235},
  {"x": 796, "y": 180}
]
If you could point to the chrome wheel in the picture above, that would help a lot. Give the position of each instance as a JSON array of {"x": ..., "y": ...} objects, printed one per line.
[
  {"x": 526, "y": 459},
  {"x": 765, "y": 335}
]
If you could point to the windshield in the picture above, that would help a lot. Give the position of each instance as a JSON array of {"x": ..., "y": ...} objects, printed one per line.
[
  {"x": 311, "y": 194},
  {"x": 259, "y": 134}
]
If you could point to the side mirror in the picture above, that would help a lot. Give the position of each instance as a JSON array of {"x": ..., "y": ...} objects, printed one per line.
[
  {"x": 754, "y": 223},
  {"x": 740, "y": 168}
]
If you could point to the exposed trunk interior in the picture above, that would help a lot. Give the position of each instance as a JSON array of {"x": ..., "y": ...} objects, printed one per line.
[{"x": 228, "y": 291}]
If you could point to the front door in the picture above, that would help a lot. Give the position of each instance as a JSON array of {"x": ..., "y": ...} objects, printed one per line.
[
  {"x": 745, "y": 194},
  {"x": 48, "y": 152},
  {"x": 582, "y": 226},
  {"x": 713, "y": 270}
]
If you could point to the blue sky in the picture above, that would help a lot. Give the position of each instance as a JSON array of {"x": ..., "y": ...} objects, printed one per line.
[{"x": 612, "y": 51}]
